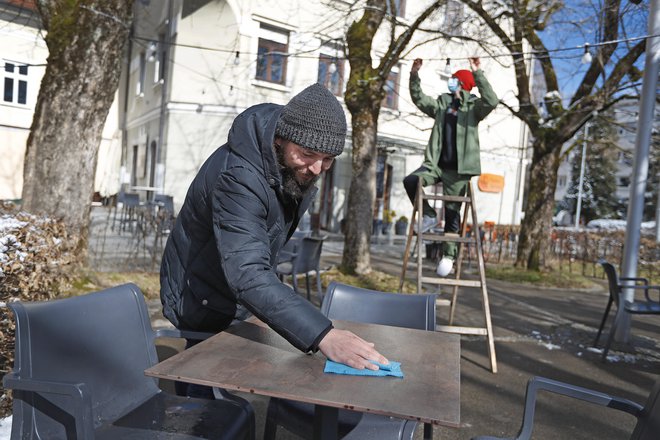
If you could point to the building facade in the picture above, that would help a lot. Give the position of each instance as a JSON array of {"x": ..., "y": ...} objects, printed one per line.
[{"x": 192, "y": 66}]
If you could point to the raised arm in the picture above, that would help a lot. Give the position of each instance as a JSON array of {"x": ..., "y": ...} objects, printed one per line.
[
  {"x": 489, "y": 99},
  {"x": 425, "y": 103}
]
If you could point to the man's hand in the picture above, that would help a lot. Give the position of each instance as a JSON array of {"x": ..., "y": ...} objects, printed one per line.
[
  {"x": 347, "y": 348},
  {"x": 417, "y": 64},
  {"x": 475, "y": 63}
]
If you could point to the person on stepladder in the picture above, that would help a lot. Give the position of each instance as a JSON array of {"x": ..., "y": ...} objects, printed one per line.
[{"x": 452, "y": 153}]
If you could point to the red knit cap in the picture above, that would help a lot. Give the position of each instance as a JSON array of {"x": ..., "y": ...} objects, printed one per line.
[{"x": 466, "y": 78}]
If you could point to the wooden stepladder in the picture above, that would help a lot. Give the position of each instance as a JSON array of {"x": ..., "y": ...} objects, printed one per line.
[{"x": 454, "y": 281}]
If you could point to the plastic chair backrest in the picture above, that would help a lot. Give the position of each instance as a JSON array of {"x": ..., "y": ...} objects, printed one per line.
[
  {"x": 308, "y": 254},
  {"x": 131, "y": 199},
  {"x": 612, "y": 280},
  {"x": 166, "y": 202},
  {"x": 350, "y": 303},
  {"x": 648, "y": 422},
  {"x": 103, "y": 340}
]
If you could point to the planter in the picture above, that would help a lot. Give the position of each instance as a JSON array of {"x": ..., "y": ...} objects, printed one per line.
[{"x": 400, "y": 228}]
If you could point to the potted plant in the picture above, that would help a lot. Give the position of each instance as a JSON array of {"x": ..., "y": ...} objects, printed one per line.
[{"x": 401, "y": 225}]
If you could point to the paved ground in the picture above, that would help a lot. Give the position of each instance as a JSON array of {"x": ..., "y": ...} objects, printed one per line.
[{"x": 544, "y": 332}]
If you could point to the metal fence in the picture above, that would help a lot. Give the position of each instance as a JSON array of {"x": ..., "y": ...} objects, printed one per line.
[{"x": 577, "y": 251}]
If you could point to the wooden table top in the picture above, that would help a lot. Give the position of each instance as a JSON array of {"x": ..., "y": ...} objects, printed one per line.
[{"x": 251, "y": 357}]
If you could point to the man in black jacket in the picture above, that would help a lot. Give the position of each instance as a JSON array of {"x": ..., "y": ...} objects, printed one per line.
[{"x": 240, "y": 209}]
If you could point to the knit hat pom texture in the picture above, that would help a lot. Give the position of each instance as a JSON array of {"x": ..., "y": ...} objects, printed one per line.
[{"x": 314, "y": 119}]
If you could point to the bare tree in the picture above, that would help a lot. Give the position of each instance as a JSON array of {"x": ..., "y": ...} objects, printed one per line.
[
  {"x": 520, "y": 24},
  {"x": 364, "y": 93},
  {"x": 85, "y": 42}
]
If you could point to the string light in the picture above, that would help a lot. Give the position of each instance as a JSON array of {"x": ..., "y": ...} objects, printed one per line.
[
  {"x": 586, "y": 58},
  {"x": 237, "y": 58},
  {"x": 532, "y": 52},
  {"x": 152, "y": 52},
  {"x": 448, "y": 67}
]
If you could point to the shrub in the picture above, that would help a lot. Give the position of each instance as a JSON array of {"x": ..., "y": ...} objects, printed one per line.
[{"x": 37, "y": 259}]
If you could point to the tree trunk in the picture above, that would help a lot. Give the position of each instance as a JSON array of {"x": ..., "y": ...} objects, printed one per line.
[
  {"x": 537, "y": 224},
  {"x": 85, "y": 44},
  {"x": 359, "y": 212}
]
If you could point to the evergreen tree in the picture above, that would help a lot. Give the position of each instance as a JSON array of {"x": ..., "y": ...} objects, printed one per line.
[{"x": 599, "y": 183}]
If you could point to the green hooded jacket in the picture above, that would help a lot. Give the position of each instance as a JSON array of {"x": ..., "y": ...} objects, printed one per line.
[{"x": 471, "y": 111}]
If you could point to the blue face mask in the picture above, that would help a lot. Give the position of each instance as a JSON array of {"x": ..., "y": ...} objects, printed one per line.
[{"x": 453, "y": 84}]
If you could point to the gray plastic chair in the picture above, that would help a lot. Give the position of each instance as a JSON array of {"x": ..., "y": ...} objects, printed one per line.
[
  {"x": 362, "y": 305},
  {"x": 648, "y": 307},
  {"x": 79, "y": 374},
  {"x": 305, "y": 258},
  {"x": 648, "y": 416}
]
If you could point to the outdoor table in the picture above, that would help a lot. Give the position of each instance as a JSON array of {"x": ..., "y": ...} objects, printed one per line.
[{"x": 252, "y": 358}]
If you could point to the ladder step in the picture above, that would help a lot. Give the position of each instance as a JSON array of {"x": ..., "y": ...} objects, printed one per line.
[
  {"x": 449, "y": 237},
  {"x": 451, "y": 282},
  {"x": 447, "y": 198},
  {"x": 462, "y": 330},
  {"x": 442, "y": 302}
]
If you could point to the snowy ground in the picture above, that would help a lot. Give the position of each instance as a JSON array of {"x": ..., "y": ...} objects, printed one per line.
[{"x": 5, "y": 428}]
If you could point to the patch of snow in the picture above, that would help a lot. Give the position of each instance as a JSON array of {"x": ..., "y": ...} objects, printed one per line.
[
  {"x": 550, "y": 346},
  {"x": 554, "y": 94},
  {"x": 595, "y": 350},
  {"x": 8, "y": 222},
  {"x": 5, "y": 428}
]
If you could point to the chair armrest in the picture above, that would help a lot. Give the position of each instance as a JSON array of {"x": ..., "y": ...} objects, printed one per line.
[
  {"x": 82, "y": 400},
  {"x": 646, "y": 289},
  {"x": 644, "y": 281},
  {"x": 187, "y": 334},
  {"x": 536, "y": 384}
]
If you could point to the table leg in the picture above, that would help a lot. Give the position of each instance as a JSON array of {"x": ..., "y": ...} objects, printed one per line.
[{"x": 325, "y": 422}]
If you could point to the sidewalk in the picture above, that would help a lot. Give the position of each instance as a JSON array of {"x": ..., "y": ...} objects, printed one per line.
[{"x": 546, "y": 332}]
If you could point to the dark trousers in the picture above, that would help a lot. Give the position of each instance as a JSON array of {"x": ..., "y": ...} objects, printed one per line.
[
  {"x": 453, "y": 184},
  {"x": 192, "y": 389}
]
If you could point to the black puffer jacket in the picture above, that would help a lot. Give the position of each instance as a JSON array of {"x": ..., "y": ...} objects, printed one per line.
[{"x": 224, "y": 246}]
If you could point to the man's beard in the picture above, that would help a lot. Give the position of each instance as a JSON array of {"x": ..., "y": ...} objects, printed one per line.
[{"x": 291, "y": 187}]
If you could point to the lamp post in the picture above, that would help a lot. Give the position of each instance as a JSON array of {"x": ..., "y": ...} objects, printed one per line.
[{"x": 581, "y": 181}]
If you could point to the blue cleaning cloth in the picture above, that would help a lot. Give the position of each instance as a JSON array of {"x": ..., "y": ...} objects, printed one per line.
[{"x": 392, "y": 369}]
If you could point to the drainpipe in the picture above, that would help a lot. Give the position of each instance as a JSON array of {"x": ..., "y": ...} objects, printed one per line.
[{"x": 160, "y": 146}]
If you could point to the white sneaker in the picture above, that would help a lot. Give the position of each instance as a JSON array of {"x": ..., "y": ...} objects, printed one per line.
[
  {"x": 427, "y": 223},
  {"x": 444, "y": 266}
]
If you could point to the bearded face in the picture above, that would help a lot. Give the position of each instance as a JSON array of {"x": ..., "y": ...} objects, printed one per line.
[{"x": 300, "y": 167}]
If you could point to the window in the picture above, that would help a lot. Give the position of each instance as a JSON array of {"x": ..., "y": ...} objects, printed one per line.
[
  {"x": 15, "y": 83},
  {"x": 331, "y": 74},
  {"x": 400, "y": 6},
  {"x": 272, "y": 54},
  {"x": 160, "y": 57},
  {"x": 391, "y": 99},
  {"x": 454, "y": 17},
  {"x": 141, "y": 75}
]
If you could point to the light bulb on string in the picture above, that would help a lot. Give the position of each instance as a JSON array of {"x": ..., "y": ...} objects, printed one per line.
[
  {"x": 231, "y": 90},
  {"x": 448, "y": 67},
  {"x": 237, "y": 58},
  {"x": 332, "y": 68},
  {"x": 152, "y": 52},
  {"x": 586, "y": 58}
]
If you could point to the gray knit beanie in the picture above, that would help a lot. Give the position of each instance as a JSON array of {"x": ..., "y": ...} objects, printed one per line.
[{"x": 314, "y": 119}]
